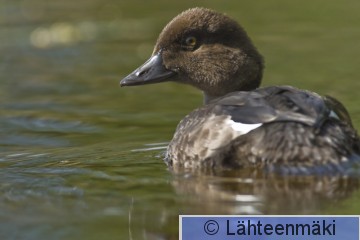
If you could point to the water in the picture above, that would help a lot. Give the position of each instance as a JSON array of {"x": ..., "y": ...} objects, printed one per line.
[{"x": 82, "y": 159}]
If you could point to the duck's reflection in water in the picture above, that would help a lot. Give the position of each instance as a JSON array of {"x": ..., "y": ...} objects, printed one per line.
[
  {"x": 251, "y": 191},
  {"x": 238, "y": 192}
]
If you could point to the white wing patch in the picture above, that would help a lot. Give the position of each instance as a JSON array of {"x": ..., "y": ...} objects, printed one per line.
[
  {"x": 242, "y": 128},
  {"x": 334, "y": 115}
]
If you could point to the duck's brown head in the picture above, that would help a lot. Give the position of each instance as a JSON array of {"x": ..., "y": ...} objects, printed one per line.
[{"x": 205, "y": 49}]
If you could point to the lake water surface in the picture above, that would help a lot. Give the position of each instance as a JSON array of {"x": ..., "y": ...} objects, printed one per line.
[{"x": 81, "y": 158}]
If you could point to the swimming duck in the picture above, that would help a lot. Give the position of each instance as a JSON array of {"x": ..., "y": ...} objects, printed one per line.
[{"x": 240, "y": 124}]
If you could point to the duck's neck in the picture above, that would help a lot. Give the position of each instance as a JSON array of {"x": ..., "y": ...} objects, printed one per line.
[{"x": 208, "y": 98}]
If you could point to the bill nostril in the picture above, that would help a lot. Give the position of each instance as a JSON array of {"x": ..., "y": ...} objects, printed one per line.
[{"x": 142, "y": 72}]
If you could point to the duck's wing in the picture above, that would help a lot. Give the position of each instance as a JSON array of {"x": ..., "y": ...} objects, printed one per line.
[
  {"x": 276, "y": 104},
  {"x": 337, "y": 109},
  {"x": 281, "y": 125}
]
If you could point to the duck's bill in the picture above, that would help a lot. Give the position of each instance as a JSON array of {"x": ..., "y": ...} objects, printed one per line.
[{"x": 152, "y": 71}]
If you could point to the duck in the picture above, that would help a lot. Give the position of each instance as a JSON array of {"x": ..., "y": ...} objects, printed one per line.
[{"x": 240, "y": 124}]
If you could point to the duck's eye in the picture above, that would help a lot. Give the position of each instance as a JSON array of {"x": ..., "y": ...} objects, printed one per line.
[{"x": 190, "y": 41}]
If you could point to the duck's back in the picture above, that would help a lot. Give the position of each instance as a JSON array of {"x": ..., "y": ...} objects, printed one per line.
[{"x": 273, "y": 126}]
